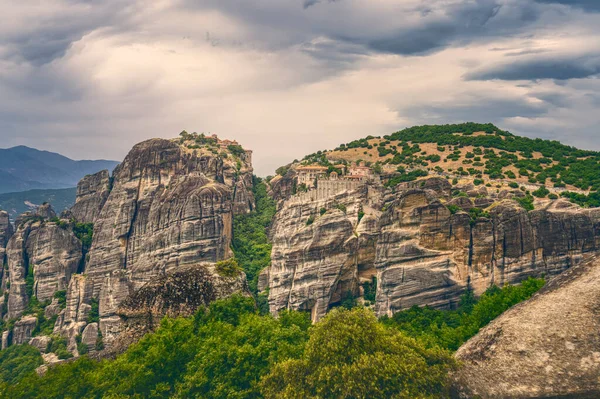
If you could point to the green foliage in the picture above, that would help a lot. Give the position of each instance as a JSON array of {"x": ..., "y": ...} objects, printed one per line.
[
  {"x": 94, "y": 315},
  {"x": 228, "y": 268},
  {"x": 236, "y": 150},
  {"x": 405, "y": 177},
  {"x": 310, "y": 220},
  {"x": 351, "y": 355},
  {"x": 361, "y": 213},
  {"x": 513, "y": 184},
  {"x": 541, "y": 192},
  {"x": 322, "y": 211},
  {"x": 62, "y": 298},
  {"x": 453, "y": 208},
  {"x": 221, "y": 352},
  {"x": 591, "y": 200},
  {"x": 82, "y": 348},
  {"x": 250, "y": 242},
  {"x": 85, "y": 232},
  {"x": 18, "y": 361},
  {"x": 282, "y": 171},
  {"x": 449, "y": 329},
  {"x": 495, "y": 151},
  {"x": 58, "y": 345},
  {"x": 476, "y": 213},
  {"x": 526, "y": 202},
  {"x": 341, "y": 207},
  {"x": 370, "y": 289}
]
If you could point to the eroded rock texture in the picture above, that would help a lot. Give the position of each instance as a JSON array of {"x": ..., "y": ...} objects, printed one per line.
[
  {"x": 6, "y": 231},
  {"x": 420, "y": 251},
  {"x": 168, "y": 207},
  {"x": 46, "y": 250},
  {"x": 546, "y": 347},
  {"x": 179, "y": 292},
  {"x": 92, "y": 192},
  {"x": 318, "y": 255}
]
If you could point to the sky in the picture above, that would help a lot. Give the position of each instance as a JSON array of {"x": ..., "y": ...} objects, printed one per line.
[{"x": 90, "y": 78}]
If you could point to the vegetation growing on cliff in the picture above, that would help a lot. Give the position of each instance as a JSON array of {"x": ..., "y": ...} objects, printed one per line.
[
  {"x": 231, "y": 351},
  {"x": 449, "y": 329},
  {"x": 480, "y": 152},
  {"x": 250, "y": 241}
]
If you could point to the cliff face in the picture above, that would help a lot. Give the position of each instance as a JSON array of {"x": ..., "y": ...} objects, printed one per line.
[
  {"x": 168, "y": 207},
  {"x": 317, "y": 253},
  {"x": 45, "y": 250},
  {"x": 420, "y": 252},
  {"x": 92, "y": 192},
  {"x": 547, "y": 347}
]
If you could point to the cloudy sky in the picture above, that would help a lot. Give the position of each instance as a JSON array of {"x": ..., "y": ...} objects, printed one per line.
[{"x": 90, "y": 78}]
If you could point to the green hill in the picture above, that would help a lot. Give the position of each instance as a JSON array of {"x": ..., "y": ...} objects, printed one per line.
[
  {"x": 17, "y": 203},
  {"x": 481, "y": 152}
]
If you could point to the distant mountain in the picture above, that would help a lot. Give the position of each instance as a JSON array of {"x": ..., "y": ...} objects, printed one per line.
[
  {"x": 17, "y": 203},
  {"x": 23, "y": 168}
]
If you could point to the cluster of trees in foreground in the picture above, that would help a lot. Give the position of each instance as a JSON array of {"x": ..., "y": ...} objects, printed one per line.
[{"x": 231, "y": 350}]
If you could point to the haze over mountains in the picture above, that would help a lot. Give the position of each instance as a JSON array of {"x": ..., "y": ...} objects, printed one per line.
[{"x": 24, "y": 168}]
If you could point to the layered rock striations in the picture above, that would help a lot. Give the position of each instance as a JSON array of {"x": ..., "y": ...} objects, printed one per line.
[
  {"x": 92, "y": 192},
  {"x": 168, "y": 207},
  {"x": 546, "y": 347},
  {"x": 41, "y": 257},
  {"x": 423, "y": 245}
]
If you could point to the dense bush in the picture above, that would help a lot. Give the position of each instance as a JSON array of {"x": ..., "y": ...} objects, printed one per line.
[
  {"x": 250, "y": 241},
  {"x": 351, "y": 355},
  {"x": 449, "y": 329},
  {"x": 231, "y": 351},
  {"x": 18, "y": 361}
]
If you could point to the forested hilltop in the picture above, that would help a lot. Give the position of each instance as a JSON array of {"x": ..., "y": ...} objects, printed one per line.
[{"x": 482, "y": 153}]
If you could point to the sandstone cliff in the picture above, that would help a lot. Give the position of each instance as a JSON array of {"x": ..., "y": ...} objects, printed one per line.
[
  {"x": 547, "y": 347},
  {"x": 422, "y": 250},
  {"x": 92, "y": 192},
  {"x": 167, "y": 208}
]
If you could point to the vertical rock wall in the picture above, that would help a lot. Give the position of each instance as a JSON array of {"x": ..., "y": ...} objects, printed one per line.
[{"x": 420, "y": 252}]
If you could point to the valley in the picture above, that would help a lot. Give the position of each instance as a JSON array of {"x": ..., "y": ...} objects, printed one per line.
[{"x": 410, "y": 244}]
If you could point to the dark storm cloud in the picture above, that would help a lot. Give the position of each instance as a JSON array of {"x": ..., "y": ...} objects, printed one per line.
[
  {"x": 541, "y": 68},
  {"x": 46, "y": 35},
  {"x": 589, "y": 5},
  {"x": 454, "y": 25},
  {"x": 478, "y": 108},
  {"x": 310, "y": 3}
]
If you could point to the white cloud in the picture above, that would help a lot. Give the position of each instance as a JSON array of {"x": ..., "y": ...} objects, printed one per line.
[{"x": 283, "y": 80}]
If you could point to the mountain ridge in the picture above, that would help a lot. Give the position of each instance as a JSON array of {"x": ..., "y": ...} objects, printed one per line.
[{"x": 24, "y": 168}]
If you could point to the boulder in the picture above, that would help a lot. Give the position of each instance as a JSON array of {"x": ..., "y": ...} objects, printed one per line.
[{"x": 546, "y": 347}]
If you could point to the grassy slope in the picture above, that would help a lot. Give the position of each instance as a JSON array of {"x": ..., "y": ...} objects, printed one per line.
[{"x": 476, "y": 151}]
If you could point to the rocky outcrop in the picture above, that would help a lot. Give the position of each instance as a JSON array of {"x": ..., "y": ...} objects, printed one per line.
[
  {"x": 48, "y": 251},
  {"x": 92, "y": 192},
  {"x": 6, "y": 231},
  {"x": 23, "y": 330},
  {"x": 177, "y": 293},
  {"x": 546, "y": 347},
  {"x": 40, "y": 342},
  {"x": 422, "y": 250},
  {"x": 167, "y": 211},
  {"x": 170, "y": 207},
  {"x": 318, "y": 256}
]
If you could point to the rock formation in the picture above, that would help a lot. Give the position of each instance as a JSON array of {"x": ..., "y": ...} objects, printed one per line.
[
  {"x": 421, "y": 251},
  {"x": 546, "y": 347},
  {"x": 6, "y": 231},
  {"x": 41, "y": 257},
  {"x": 159, "y": 223},
  {"x": 92, "y": 192}
]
